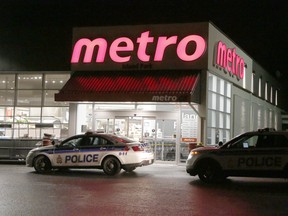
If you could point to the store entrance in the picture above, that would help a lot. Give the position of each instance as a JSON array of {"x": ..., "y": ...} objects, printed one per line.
[
  {"x": 134, "y": 127},
  {"x": 170, "y": 129},
  {"x": 159, "y": 133}
]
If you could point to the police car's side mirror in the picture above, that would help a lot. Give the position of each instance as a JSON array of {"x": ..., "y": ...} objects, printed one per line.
[{"x": 220, "y": 143}]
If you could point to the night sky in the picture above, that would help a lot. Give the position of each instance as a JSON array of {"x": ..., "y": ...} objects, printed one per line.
[{"x": 36, "y": 35}]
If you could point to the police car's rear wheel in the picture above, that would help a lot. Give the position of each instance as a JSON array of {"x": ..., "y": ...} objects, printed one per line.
[
  {"x": 111, "y": 166},
  {"x": 209, "y": 172},
  {"x": 42, "y": 164}
]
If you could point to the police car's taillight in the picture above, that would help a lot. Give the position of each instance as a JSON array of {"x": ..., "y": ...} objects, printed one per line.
[{"x": 137, "y": 148}]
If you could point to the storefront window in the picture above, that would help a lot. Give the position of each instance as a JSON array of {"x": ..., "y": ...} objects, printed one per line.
[
  {"x": 276, "y": 97},
  {"x": 221, "y": 120},
  {"x": 221, "y": 86},
  {"x": 252, "y": 81},
  {"x": 221, "y": 103},
  {"x": 29, "y": 97},
  {"x": 271, "y": 94},
  {"x": 55, "y": 81},
  {"x": 49, "y": 99},
  {"x": 30, "y": 81},
  {"x": 219, "y": 110},
  {"x": 213, "y": 118},
  {"x": 266, "y": 90},
  {"x": 228, "y": 122},
  {"x": 29, "y": 111},
  {"x": 25, "y": 121},
  {"x": 212, "y": 100},
  {"x": 7, "y": 97},
  {"x": 228, "y": 105},
  {"x": 7, "y": 81},
  {"x": 6, "y": 120},
  {"x": 260, "y": 117},
  {"x": 85, "y": 118},
  {"x": 228, "y": 87},
  {"x": 59, "y": 117},
  {"x": 260, "y": 87},
  {"x": 61, "y": 113},
  {"x": 265, "y": 117},
  {"x": 212, "y": 82}
]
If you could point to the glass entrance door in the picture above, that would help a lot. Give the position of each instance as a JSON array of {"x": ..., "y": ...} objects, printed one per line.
[
  {"x": 165, "y": 141},
  {"x": 137, "y": 127},
  {"x": 121, "y": 126},
  {"x": 160, "y": 133}
]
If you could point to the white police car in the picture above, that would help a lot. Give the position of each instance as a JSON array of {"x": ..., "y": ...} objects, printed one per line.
[
  {"x": 92, "y": 150},
  {"x": 262, "y": 153}
]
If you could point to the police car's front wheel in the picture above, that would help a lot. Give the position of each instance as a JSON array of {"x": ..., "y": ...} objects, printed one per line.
[
  {"x": 42, "y": 164},
  {"x": 209, "y": 172},
  {"x": 111, "y": 166}
]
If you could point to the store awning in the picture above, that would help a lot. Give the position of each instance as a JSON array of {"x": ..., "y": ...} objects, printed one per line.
[{"x": 132, "y": 86}]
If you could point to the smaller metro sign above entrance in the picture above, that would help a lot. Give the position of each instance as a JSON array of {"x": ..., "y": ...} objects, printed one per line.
[
  {"x": 175, "y": 46},
  {"x": 228, "y": 59}
]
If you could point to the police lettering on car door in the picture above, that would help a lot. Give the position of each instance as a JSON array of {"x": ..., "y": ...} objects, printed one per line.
[
  {"x": 258, "y": 162},
  {"x": 86, "y": 158}
]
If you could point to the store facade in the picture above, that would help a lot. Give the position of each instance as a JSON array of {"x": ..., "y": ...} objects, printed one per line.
[{"x": 172, "y": 85}]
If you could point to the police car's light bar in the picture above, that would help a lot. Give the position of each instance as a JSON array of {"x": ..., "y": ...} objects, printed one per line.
[{"x": 266, "y": 130}]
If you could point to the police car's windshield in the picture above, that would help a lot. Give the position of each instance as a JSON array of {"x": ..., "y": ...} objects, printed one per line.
[
  {"x": 259, "y": 140},
  {"x": 246, "y": 141}
]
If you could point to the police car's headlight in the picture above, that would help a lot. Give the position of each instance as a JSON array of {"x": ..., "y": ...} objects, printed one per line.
[{"x": 194, "y": 153}]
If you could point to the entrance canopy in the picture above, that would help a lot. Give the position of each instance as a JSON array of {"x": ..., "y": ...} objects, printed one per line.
[{"x": 132, "y": 86}]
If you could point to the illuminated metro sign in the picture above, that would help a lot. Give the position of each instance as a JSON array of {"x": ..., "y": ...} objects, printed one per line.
[
  {"x": 120, "y": 48},
  {"x": 153, "y": 47},
  {"x": 229, "y": 61}
]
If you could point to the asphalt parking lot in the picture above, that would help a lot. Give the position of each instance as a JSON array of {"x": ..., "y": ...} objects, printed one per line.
[{"x": 159, "y": 189}]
